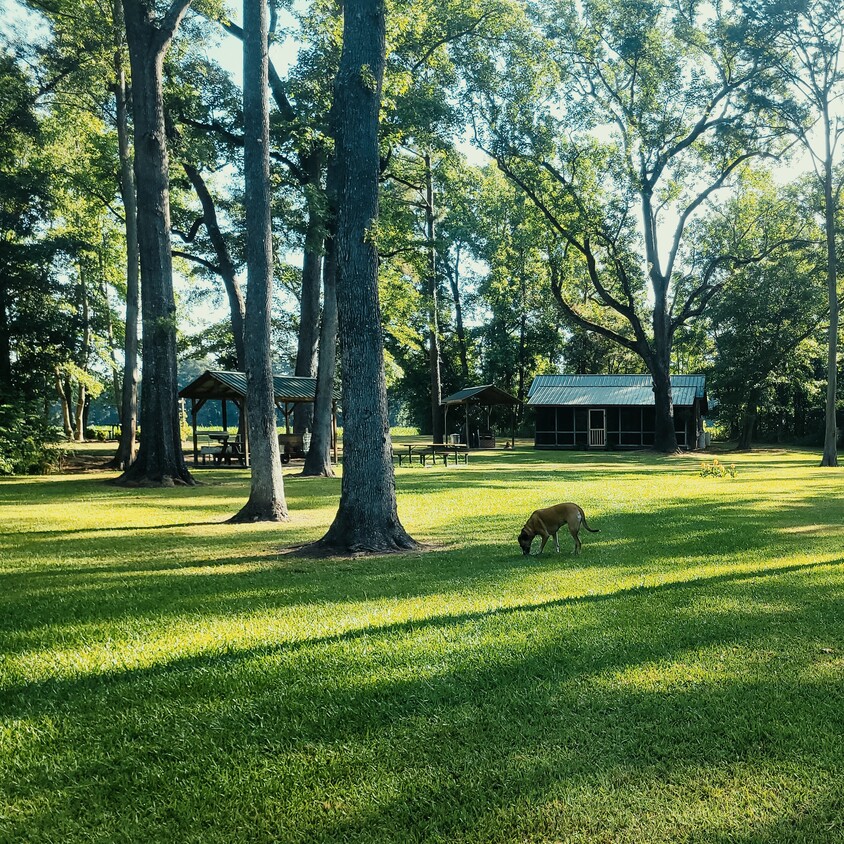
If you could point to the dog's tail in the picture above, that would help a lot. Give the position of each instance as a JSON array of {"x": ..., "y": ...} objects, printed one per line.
[{"x": 583, "y": 520}]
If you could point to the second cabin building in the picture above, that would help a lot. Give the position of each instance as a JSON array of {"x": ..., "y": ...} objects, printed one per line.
[{"x": 612, "y": 411}]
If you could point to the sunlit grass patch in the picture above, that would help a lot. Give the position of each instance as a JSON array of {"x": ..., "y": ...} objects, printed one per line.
[{"x": 168, "y": 677}]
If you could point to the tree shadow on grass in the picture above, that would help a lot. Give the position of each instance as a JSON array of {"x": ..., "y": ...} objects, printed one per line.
[
  {"x": 626, "y": 717},
  {"x": 141, "y": 577}
]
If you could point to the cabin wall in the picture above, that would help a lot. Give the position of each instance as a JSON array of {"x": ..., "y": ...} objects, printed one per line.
[{"x": 626, "y": 427}]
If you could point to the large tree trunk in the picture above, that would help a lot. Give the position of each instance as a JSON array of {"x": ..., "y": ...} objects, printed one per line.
[
  {"x": 830, "y": 441},
  {"x": 659, "y": 364},
  {"x": 433, "y": 314},
  {"x": 225, "y": 266},
  {"x": 454, "y": 282},
  {"x": 367, "y": 519},
  {"x": 520, "y": 392},
  {"x": 64, "y": 399},
  {"x": 266, "y": 498},
  {"x": 128, "y": 410},
  {"x": 306, "y": 353},
  {"x": 84, "y": 354},
  {"x": 160, "y": 460},
  {"x": 79, "y": 413},
  {"x": 5, "y": 341},
  {"x": 318, "y": 459},
  {"x": 116, "y": 388},
  {"x": 665, "y": 436},
  {"x": 749, "y": 415}
]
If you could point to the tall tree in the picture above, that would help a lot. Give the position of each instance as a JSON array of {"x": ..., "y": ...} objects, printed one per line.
[
  {"x": 160, "y": 459},
  {"x": 300, "y": 134},
  {"x": 367, "y": 519},
  {"x": 812, "y": 34},
  {"x": 318, "y": 458},
  {"x": 127, "y": 446},
  {"x": 766, "y": 309},
  {"x": 266, "y": 498},
  {"x": 620, "y": 122}
]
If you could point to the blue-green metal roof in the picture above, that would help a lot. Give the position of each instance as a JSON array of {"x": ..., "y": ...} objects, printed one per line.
[
  {"x": 611, "y": 390},
  {"x": 486, "y": 394},
  {"x": 220, "y": 384}
]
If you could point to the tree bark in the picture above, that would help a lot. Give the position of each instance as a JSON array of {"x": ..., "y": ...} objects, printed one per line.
[
  {"x": 64, "y": 400},
  {"x": 128, "y": 412},
  {"x": 225, "y": 265},
  {"x": 318, "y": 459},
  {"x": 750, "y": 413},
  {"x": 84, "y": 354},
  {"x": 665, "y": 436},
  {"x": 433, "y": 314},
  {"x": 367, "y": 519},
  {"x": 454, "y": 282},
  {"x": 266, "y": 498},
  {"x": 830, "y": 441},
  {"x": 160, "y": 461},
  {"x": 309, "y": 330},
  {"x": 5, "y": 341}
]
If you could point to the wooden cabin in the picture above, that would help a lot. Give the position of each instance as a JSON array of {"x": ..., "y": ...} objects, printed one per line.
[{"x": 612, "y": 411}]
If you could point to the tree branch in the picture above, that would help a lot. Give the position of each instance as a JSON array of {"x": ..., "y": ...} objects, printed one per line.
[{"x": 177, "y": 253}]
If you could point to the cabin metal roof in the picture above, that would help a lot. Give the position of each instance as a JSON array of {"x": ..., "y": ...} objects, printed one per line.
[
  {"x": 484, "y": 394},
  {"x": 612, "y": 390},
  {"x": 220, "y": 384}
]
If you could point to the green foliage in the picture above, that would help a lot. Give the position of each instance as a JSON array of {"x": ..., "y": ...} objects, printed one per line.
[
  {"x": 28, "y": 444},
  {"x": 766, "y": 324}
]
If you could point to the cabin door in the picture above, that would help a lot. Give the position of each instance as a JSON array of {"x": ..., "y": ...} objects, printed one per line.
[{"x": 597, "y": 428}]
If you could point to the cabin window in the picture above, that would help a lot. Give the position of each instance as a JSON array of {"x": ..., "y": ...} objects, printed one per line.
[{"x": 545, "y": 419}]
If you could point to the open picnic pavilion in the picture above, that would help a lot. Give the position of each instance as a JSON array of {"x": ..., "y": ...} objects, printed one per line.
[
  {"x": 484, "y": 396},
  {"x": 225, "y": 387}
]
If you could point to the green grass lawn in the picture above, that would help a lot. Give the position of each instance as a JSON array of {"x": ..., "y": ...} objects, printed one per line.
[{"x": 165, "y": 677}]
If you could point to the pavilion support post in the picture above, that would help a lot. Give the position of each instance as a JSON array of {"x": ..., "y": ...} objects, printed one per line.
[
  {"x": 467, "y": 425},
  {"x": 225, "y": 415},
  {"x": 334, "y": 430},
  {"x": 445, "y": 423},
  {"x": 513, "y": 425},
  {"x": 193, "y": 411},
  {"x": 245, "y": 428}
]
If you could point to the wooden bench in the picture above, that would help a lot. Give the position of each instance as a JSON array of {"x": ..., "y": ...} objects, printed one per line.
[
  {"x": 208, "y": 447},
  {"x": 291, "y": 445},
  {"x": 211, "y": 451},
  {"x": 444, "y": 451}
]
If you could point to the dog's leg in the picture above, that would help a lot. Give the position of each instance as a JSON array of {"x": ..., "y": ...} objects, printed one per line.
[
  {"x": 544, "y": 540},
  {"x": 556, "y": 543},
  {"x": 575, "y": 531}
]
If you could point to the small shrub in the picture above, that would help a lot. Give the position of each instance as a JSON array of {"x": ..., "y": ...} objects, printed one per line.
[
  {"x": 716, "y": 469},
  {"x": 27, "y": 442}
]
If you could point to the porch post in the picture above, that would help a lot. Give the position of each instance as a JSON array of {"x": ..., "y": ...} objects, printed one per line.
[
  {"x": 334, "y": 429},
  {"x": 193, "y": 412}
]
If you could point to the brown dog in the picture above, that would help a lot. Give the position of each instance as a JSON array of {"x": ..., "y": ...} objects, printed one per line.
[{"x": 548, "y": 521}]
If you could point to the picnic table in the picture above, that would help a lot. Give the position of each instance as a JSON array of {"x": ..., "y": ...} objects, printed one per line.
[
  {"x": 229, "y": 449},
  {"x": 443, "y": 451}
]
